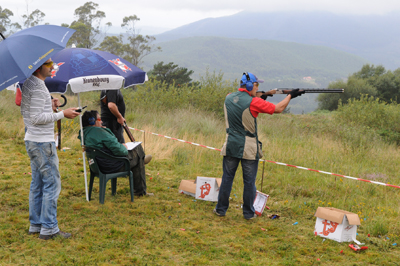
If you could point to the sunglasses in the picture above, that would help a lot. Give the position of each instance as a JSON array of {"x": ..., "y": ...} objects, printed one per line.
[
  {"x": 49, "y": 64},
  {"x": 98, "y": 119}
]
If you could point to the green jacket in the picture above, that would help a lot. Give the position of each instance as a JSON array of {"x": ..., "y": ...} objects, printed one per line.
[
  {"x": 100, "y": 138},
  {"x": 241, "y": 128}
]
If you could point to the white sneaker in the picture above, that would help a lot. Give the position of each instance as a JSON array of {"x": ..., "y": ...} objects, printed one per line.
[
  {"x": 216, "y": 213},
  {"x": 255, "y": 216}
]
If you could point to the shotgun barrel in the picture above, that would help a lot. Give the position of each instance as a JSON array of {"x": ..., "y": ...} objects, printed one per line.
[{"x": 308, "y": 90}]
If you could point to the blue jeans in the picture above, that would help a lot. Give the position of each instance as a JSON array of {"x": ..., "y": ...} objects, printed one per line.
[
  {"x": 45, "y": 187},
  {"x": 249, "y": 167}
]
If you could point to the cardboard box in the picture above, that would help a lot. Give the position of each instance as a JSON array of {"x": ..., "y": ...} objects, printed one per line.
[
  {"x": 259, "y": 202},
  {"x": 188, "y": 187},
  {"x": 207, "y": 188},
  {"x": 336, "y": 224}
]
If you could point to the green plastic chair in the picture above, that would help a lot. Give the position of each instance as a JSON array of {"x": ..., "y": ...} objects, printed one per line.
[{"x": 92, "y": 154}]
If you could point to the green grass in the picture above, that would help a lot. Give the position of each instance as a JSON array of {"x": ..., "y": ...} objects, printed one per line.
[{"x": 149, "y": 230}]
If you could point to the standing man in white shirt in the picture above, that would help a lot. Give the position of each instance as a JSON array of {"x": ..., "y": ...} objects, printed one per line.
[{"x": 38, "y": 110}]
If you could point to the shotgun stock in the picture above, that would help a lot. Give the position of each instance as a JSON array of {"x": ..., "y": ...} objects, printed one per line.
[{"x": 128, "y": 132}]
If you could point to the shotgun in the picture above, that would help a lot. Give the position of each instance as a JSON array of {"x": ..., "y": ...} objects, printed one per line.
[
  {"x": 306, "y": 90},
  {"x": 128, "y": 132}
]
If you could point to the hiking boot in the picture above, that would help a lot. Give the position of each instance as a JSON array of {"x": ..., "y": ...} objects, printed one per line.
[
  {"x": 216, "y": 213},
  {"x": 33, "y": 233},
  {"x": 147, "y": 158},
  {"x": 59, "y": 233},
  {"x": 255, "y": 216}
]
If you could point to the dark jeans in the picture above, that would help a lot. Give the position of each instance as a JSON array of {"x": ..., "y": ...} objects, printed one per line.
[
  {"x": 249, "y": 167},
  {"x": 136, "y": 163},
  {"x": 136, "y": 160}
]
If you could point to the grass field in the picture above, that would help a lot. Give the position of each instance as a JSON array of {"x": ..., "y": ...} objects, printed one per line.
[{"x": 149, "y": 231}]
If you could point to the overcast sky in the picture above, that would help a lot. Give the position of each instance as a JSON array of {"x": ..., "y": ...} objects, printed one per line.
[{"x": 168, "y": 14}]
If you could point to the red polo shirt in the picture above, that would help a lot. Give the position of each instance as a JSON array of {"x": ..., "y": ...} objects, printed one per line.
[{"x": 258, "y": 105}]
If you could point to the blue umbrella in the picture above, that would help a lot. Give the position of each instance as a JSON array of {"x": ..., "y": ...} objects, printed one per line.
[
  {"x": 25, "y": 51},
  {"x": 87, "y": 70}
]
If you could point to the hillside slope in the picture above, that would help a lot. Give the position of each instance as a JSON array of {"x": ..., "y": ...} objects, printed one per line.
[
  {"x": 279, "y": 63},
  {"x": 373, "y": 37}
]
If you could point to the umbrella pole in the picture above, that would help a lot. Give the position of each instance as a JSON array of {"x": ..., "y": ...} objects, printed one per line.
[{"x": 83, "y": 152}]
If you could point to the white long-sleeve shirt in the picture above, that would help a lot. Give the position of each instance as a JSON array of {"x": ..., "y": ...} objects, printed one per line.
[{"x": 36, "y": 109}]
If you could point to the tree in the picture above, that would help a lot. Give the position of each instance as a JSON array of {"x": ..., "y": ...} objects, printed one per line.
[
  {"x": 387, "y": 83},
  {"x": 136, "y": 49},
  {"x": 370, "y": 71},
  {"x": 354, "y": 88},
  {"x": 5, "y": 22},
  {"x": 170, "y": 73},
  {"x": 138, "y": 45},
  {"x": 114, "y": 45},
  {"x": 370, "y": 80},
  {"x": 33, "y": 19},
  {"x": 87, "y": 25}
]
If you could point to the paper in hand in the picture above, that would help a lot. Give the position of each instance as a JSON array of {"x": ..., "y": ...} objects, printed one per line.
[{"x": 132, "y": 145}]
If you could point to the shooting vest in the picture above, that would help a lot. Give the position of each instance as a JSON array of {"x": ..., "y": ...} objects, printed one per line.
[{"x": 241, "y": 128}]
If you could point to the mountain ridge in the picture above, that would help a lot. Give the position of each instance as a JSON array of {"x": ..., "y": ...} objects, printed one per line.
[{"x": 368, "y": 36}]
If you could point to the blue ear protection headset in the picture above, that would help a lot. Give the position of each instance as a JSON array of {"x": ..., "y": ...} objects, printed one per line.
[
  {"x": 92, "y": 121},
  {"x": 249, "y": 84}
]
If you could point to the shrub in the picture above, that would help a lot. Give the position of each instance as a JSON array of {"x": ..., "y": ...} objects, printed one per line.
[
  {"x": 208, "y": 96},
  {"x": 373, "y": 116}
]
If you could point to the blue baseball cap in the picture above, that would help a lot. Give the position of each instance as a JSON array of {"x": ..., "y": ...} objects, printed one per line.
[{"x": 253, "y": 78}]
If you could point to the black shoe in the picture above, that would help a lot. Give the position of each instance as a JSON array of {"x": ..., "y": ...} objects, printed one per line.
[
  {"x": 33, "y": 233},
  {"x": 59, "y": 233}
]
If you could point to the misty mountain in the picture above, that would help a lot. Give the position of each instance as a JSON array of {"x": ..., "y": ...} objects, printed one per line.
[
  {"x": 280, "y": 64},
  {"x": 373, "y": 37}
]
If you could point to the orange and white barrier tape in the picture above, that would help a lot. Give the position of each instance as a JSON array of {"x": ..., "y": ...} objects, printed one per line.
[
  {"x": 285, "y": 164},
  {"x": 181, "y": 140}
]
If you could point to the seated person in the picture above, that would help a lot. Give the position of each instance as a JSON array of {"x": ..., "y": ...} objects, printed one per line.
[{"x": 97, "y": 136}]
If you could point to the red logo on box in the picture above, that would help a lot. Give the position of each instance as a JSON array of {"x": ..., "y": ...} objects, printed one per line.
[
  {"x": 332, "y": 229},
  {"x": 205, "y": 190},
  {"x": 348, "y": 228}
]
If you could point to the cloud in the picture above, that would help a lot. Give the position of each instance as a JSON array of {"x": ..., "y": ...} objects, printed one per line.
[
  {"x": 175, "y": 13},
  {"x": 337, "y": 6}
]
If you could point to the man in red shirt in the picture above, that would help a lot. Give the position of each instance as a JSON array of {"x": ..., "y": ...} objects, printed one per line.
[{"x": 241, "y": 110}]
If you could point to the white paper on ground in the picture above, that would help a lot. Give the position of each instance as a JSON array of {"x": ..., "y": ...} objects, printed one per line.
[
  {"x": 260, "y": 202},
  {"x": 357, "y": 242}
]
